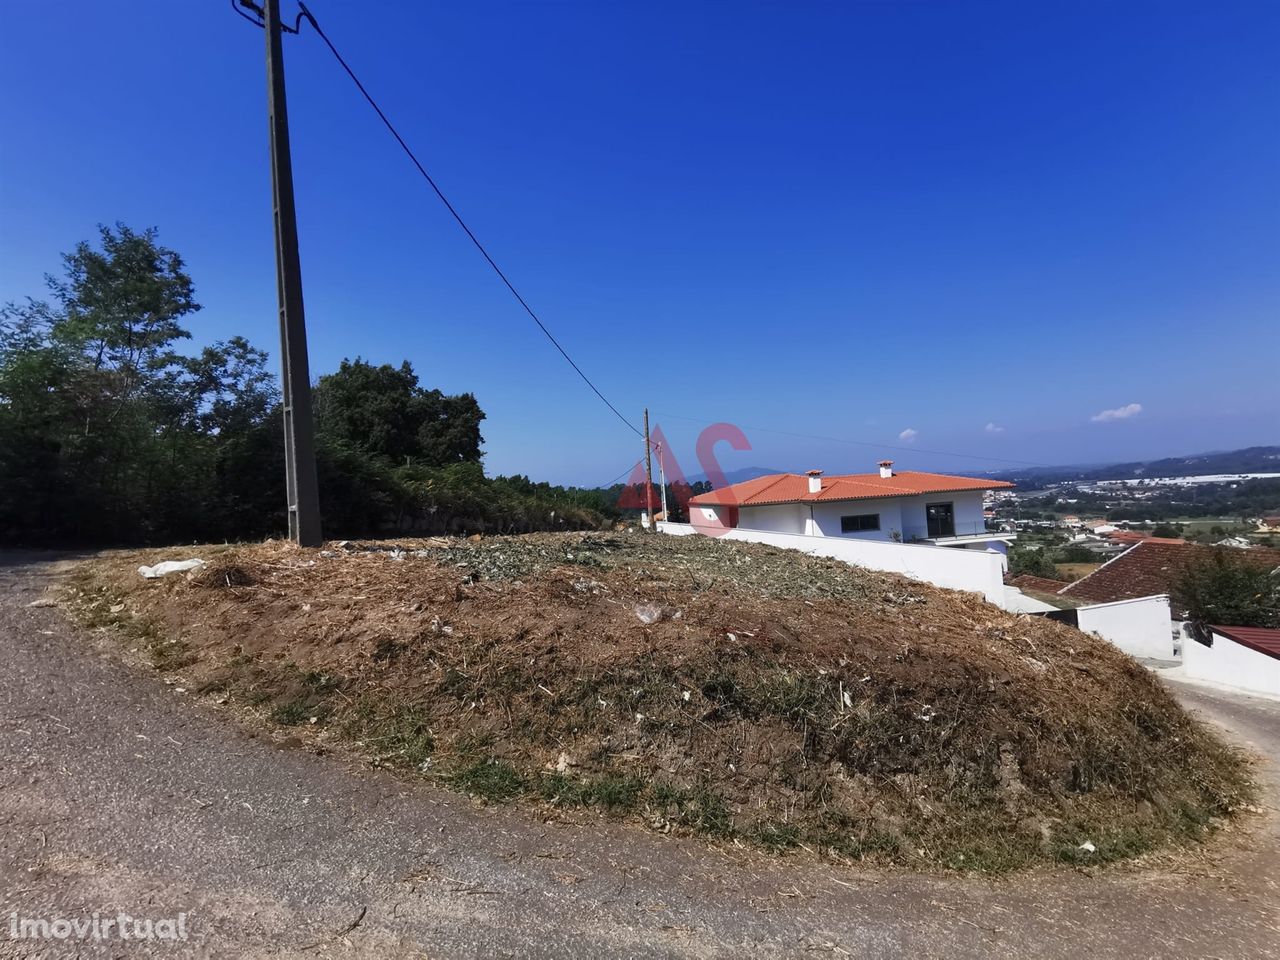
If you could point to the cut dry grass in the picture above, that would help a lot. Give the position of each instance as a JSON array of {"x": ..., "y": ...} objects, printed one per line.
[{"x": 778, "y": 699}]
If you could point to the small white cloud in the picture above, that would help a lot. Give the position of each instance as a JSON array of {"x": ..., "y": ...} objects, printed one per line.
[
  {"x": 908, "y": 435},
  {"x": 1119, "y": 413},
  {"x": 992, "y": 428}
]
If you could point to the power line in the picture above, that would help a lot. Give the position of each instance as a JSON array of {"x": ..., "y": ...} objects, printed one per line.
[
  {"x": 458, "y": 217},
  {"x": 867, "y": 443},
  {"x": 606, "y": 486}
]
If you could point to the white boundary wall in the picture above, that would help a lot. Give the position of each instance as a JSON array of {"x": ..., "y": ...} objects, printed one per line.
[
  {"x": 1141, "y": 628},
  {"x": 972, "y": 570},
  {"x": 1232, "y": 664}
]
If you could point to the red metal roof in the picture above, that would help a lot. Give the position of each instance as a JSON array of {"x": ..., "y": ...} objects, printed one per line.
[
  {"x": 1262, "y": 639},
  {"x": 794, "y": 488}
]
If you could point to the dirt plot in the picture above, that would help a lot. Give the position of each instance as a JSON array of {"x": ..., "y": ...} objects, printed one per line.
[{"x": 732, "y": 690}]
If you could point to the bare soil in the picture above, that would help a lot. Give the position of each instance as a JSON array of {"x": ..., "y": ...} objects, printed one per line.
[
  {"x": 1075, "y": 571},
  {"x": 731, "y": 690}
]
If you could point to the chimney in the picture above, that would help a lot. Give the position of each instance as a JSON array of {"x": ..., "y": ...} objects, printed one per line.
[
  {"x": 886, "y": 469},
  {"x": 815, "y": 481}
]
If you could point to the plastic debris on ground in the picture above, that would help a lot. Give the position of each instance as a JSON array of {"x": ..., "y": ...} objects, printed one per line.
[{"x": 170, "y": 566}]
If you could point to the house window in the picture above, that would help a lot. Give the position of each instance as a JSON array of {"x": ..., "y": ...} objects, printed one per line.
[
  {"x": 859, "y": 523},
  {"x": 941, "y": 519}
]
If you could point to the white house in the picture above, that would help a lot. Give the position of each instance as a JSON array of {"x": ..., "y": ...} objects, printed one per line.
[{"x": 903, "y": 507}]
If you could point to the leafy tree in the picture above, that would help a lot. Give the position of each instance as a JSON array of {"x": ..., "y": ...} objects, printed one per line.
[
  {"x": 1166, "y": 530},
  {"x": 1076, "y": 553},
  {"x": 1230, "y": 587},
  {"x": 90, "y": 385},
  {"x": 383, "y": 412},
  {"x": 1034, "y": 562},
  {"x": 110, "y": 433}
]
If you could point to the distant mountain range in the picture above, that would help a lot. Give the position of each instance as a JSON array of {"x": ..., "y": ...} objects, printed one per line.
[
  {"x": 1248, "y": 460},
  {"x": 739, "y": 475}
]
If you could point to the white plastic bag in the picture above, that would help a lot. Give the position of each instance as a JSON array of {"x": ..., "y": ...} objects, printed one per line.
[{"x": 170, "y": 566}]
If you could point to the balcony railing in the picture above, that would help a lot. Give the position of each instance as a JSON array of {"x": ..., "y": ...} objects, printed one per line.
[{"x": 960, "y": 531}]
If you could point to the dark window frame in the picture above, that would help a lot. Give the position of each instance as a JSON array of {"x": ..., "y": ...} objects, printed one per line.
[
  {"x": 950, "y": 518},
  {"x": 860, "y": 528}
]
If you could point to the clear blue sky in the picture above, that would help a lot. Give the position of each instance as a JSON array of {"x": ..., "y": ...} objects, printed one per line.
[{"x": 841, "y": 219}]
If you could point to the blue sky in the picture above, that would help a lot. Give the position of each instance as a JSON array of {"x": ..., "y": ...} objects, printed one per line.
[{"x": 983, "y": 223}]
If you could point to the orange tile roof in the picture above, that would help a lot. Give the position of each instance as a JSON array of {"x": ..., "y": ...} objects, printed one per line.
[{"x": 794, "y": 488}]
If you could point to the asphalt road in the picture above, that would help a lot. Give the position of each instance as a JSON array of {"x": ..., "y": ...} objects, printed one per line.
[{"x": 121, "y": 793}]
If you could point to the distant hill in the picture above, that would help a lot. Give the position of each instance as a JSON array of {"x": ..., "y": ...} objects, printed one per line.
[
  {"x": 1248, "y": 460},
  {"x": 739, "y": 475}
]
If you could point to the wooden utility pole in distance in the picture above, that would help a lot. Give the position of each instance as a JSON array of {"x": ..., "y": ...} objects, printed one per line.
[
  {"x": 648, "y": 473},
  {"x": 299, "y": 434}
]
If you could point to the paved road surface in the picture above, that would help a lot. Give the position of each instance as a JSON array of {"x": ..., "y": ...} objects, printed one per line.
[{"x": 119, "y": 793}]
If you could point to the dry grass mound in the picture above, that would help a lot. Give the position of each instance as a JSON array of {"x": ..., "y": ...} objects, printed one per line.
[{"x": 727, "y": 689}]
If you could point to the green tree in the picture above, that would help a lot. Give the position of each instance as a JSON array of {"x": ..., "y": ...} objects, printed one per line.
[
  {"x": 91, "y": 385},
  {"x": 383, "y": 412},
  {"x": 1033, "y": 561},
  {"x": 109, "y": 433},
  {"x": 1231, "y": 588}
]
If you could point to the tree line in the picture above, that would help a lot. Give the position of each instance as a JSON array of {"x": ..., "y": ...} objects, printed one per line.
[{"x": 109, "y": 433}]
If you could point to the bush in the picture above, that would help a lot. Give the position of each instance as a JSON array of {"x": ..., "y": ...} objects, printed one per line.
[
  {"x": 1230, "y": 587},
  {"x": 1031, "y": 561}
]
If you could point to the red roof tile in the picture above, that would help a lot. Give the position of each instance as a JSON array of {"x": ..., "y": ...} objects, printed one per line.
[
  {"x": 1262, "y": 639},
  {"x": 1151, "y": 567},
  {"x": 794, "y": 488}
]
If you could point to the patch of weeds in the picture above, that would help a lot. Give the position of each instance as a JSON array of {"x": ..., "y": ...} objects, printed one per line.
[
  {"x": 858, "y": 841},
  {"x": 710, "y": 813},
  {"x": 724, "y": 692},
  {"x": 666, "y": 796},
  {"x": 990, "y": 856},
  {"x": 408, "y": 736},
  {"x": 793, "y": 696},
  {"x": 473, "y": 746},
  {"x": 400, "y": 733},
  {"x": 493, "y": 780},
  {"x": 1193, "y": 821},
  {"x": 320, "y": 682},
  {"x": 291, "y": 714},
  {"x": 776, "y": 836},
  {"x": 1120, "y": 843},
  {"x": 700, "y": 809},
  {"x": 612, "y": 792}
]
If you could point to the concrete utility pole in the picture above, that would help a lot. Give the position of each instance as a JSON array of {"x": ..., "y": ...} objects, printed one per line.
[
  {"x": 648, "y": 473},
  {"x": 299, "y": 434},
  {"x": 662, "y": 484}
]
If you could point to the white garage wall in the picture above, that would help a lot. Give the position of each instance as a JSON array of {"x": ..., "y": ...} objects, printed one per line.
[
  {"x": 1141, "y": 628},
  {"x": 782, "y": 517},
  {"x": 1232, "y": 664}
]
